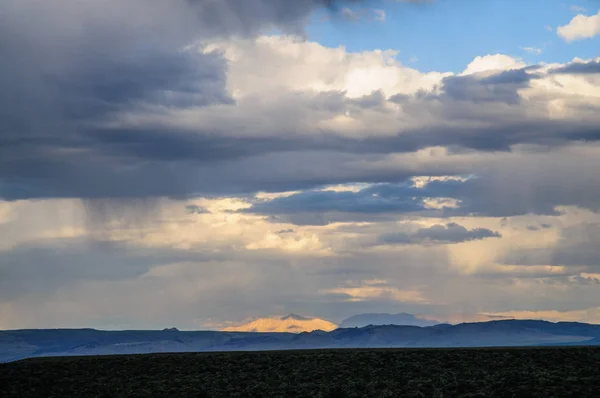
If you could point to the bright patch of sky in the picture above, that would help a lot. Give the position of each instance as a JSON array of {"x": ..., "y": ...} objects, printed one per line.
[{"x": 445, "y": 35}]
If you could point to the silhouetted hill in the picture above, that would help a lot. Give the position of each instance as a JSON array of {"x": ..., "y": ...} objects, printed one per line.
[{"x": 20, "y": 344}]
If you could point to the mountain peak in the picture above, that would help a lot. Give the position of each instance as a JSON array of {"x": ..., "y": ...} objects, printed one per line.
[
  {"x": 291, "y": 323},
  {"x": 295, "y": 317}
]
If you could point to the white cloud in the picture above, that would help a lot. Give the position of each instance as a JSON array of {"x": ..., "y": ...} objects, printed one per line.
[
  {"x": 284, "y": 62},
  {"x": 492, "y": 62},
  {"x": 580, "y": 27}
]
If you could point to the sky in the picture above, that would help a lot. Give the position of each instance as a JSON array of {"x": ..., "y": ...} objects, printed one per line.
[
  {"x": 201, "y": 163},
  {"x": 447, "y": 35}
]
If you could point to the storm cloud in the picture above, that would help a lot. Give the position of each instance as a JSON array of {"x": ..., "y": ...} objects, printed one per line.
[
  {"x": 70, "y": 64},
  {"x": 94, "y": 104}
]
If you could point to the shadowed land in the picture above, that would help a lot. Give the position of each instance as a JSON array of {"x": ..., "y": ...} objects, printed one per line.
[{"x": 493, "y": 372}]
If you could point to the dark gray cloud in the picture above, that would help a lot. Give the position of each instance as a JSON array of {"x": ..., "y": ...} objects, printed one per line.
[
  {"x": 121, "y": 163},
  {"x": 500, "y": 87},
  {"x": 538, "y": 227},
  {"x": 508, "y": 185},
  {"x": 195, "y": 209},
  {"x": 285, "y": 231},
  {"x": 69, "y": 64},
  {"x": 374, "y": 100},
  {"x": 438, "y": 234},
  {"x": 578, "y": 68}
]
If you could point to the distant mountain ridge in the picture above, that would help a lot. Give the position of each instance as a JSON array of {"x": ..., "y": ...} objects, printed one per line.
[
  {"x": 294, "y": 323},
  {"x": 19, "y": 344},
  {"x": 403, "y": 318}
]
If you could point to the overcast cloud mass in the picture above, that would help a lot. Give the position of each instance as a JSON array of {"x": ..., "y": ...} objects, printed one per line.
[{"x": 199, "y": 163}]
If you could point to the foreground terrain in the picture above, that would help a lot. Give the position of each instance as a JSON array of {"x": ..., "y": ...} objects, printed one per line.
[{"x": 515, "y": 372}]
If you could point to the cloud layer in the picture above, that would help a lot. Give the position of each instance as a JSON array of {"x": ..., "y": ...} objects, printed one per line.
[
  {"x": 200, "y": 104},
  {"x": 183, "y": 166}
]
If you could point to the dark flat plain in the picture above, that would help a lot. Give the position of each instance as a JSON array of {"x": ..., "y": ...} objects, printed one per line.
[{"x": 488, "y": 372}]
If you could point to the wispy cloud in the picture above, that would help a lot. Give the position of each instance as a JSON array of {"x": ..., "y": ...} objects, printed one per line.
[
  {"x": 379, "y": 15},
  {"x": 350, "y": 14},
  {"x": 355, "y": 15},
  {"x": 578, "y": 9},
  {"x": 532, "y": 50},
  {"x": 438, "y": 234}
]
